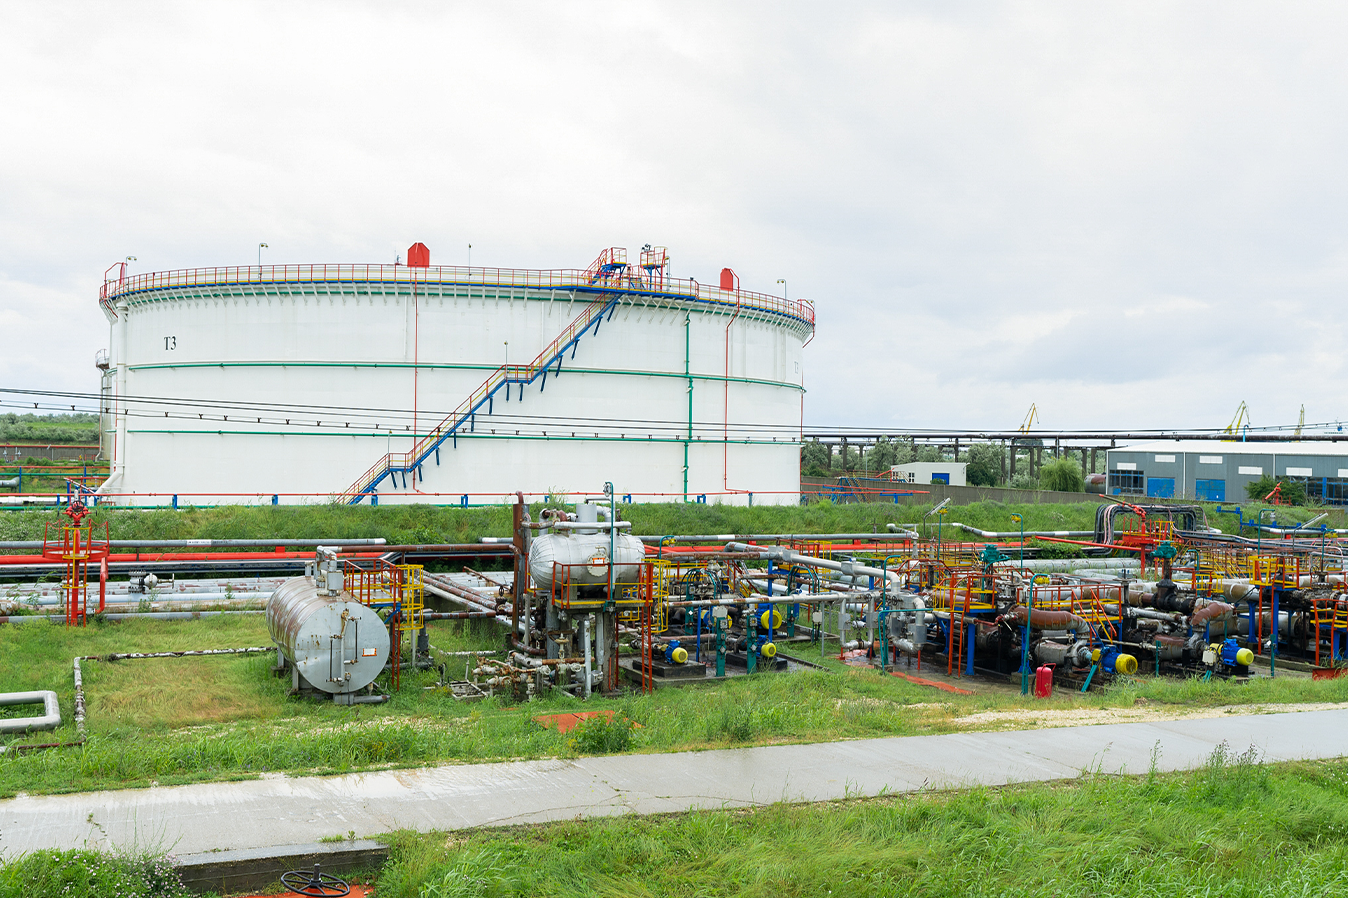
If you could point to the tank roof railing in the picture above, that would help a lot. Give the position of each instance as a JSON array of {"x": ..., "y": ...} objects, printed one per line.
[{"x": 620, "y": 280}]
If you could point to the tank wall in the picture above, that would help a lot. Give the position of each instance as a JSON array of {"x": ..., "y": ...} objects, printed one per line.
[{"x": 618, "y": 412}]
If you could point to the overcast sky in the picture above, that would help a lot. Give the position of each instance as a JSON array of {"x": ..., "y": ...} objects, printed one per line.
[{"x": 1130, "y": 214}]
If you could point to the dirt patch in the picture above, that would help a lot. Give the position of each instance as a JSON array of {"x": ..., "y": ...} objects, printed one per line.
[
  {"x": 868, "y": 702},
  {"x": 421, "y": 724},
  {"x": 1068, "y": 717}
]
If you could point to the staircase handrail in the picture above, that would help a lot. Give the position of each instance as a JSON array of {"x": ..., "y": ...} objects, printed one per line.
[{"x": 524, "y": 374}]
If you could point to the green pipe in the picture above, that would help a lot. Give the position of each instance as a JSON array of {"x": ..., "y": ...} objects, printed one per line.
[
  {"x": 463, "y": 436},
  {"x": 624, "y": 372}
]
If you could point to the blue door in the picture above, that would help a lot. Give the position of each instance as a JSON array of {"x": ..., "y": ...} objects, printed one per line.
[
  {"x": 1210, "y": 490},
  {"x": 1161, "y": 487},
  {"x": 941, "y": 478}
]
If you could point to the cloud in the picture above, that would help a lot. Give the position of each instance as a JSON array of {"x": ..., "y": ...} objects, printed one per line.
[{"x": 1132, "y": 215}]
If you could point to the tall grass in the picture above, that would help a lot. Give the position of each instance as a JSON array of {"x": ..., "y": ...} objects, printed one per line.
[
  {"x": 1196, "y": 692},
  {"x": 1227, "y": 829},
  {"x": 90, "y": 874},
  {"x": 403, "y": 524},
  {"x": 826, "y": 517}
]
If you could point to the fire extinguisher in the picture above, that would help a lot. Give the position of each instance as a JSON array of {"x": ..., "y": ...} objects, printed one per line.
[{"x": 1043, "y": 681}]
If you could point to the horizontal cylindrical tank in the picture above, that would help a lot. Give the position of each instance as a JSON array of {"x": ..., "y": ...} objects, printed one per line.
[
  {"x": 586, "y": 555},
  {"x": 335, "y": 643}
]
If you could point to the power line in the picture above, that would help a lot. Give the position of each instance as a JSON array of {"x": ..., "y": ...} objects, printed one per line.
[{"x": 396, "y": 420}]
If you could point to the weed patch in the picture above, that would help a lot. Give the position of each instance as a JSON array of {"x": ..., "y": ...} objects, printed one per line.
[
  {"x": 90, "y": 874},
  {"x": 731, "y": 721},
  {"x": 602, "y": 735},
  {"x": 1229, "y": 779}
]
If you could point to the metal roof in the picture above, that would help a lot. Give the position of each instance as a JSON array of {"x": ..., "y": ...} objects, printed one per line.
[{"x": 1234, "y": 447}]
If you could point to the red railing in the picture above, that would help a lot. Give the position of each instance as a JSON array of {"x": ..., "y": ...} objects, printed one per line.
[{"x": 626, "y": 280}]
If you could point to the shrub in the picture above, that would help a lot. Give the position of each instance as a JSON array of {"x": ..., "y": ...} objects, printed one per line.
[
  {"x": 602, "y": 735},
  {"x": 90, "y": 875},
  {"x": 1063, "y": 475},
  {"x": 984, "y": 465},
  {"x": 1293, "y": 492},
  {"x": 1054, "y": 550},
  {"x": 814, "y": 459}
]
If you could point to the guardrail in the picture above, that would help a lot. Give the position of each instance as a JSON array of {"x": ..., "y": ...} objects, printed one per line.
[{"x": 623, "y": 280}]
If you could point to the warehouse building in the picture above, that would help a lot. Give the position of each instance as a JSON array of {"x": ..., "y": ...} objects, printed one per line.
[
  {"x": 950, "y": 473},
  {"x": 1217, "y": 471}
]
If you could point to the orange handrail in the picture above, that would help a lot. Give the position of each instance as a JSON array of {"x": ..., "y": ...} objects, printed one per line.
[{"x": 627, "y": 280}]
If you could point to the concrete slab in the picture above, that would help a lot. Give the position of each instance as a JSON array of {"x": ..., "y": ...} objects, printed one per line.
[
  {"x": 235, "y": 871},
  {"x": 281, "y": 811}
]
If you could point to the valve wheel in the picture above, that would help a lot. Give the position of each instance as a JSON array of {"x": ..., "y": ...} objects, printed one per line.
[{"x": 316, "y": 884}]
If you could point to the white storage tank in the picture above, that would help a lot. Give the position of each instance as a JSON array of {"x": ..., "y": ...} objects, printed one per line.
[{"x": 397, "y": 383}]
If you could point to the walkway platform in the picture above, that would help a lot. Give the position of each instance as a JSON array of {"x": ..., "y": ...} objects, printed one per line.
[{"x": 278, "y": 811}]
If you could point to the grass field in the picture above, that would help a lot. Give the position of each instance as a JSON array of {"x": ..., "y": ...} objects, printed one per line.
[
  {"x": 404, "y": 524},
  {"x": 1232, "y": 829},
  {"x": 216, "y": 718}
]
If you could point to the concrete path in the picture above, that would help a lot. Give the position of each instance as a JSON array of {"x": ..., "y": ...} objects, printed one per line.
[{"x": 278, "y": 810}]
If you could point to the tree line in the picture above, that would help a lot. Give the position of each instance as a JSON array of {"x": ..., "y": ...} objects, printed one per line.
[
  {"x": 74, "y": 428},
  {"x": 984, "y": 464}
]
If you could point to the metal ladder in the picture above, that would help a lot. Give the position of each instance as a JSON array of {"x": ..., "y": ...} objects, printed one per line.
[{"x": 504, "y": 377}]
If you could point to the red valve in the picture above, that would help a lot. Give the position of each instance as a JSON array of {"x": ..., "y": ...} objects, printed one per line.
[{"x": 77, "y": 511}]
